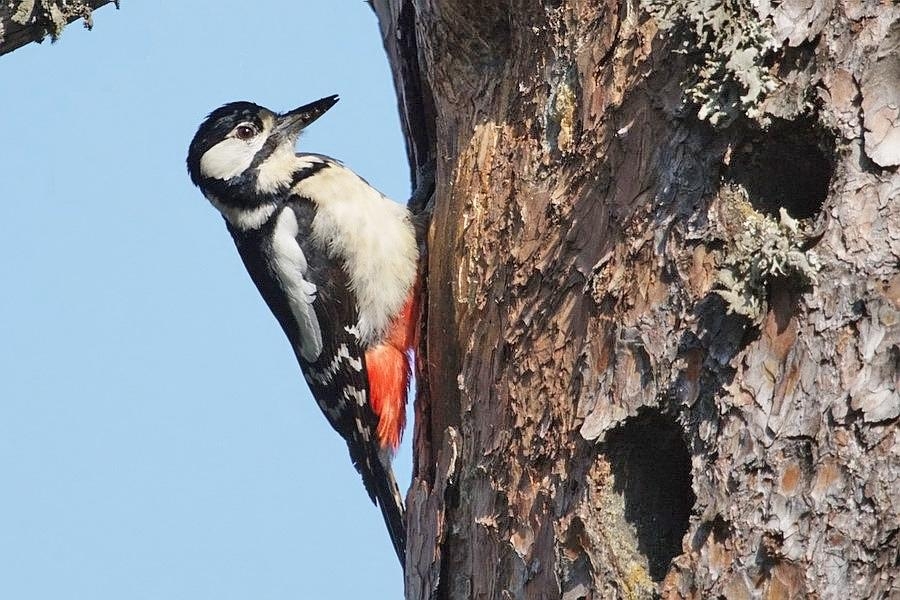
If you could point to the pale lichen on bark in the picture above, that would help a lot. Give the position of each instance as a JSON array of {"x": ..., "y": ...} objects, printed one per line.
[
  {"x": 26, "y": 21},
  {"x": 730, "y": 43},
  {"x": 762, "y": 250}
]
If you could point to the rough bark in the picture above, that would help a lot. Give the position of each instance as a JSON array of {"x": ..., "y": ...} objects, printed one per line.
[
  {"x": 25, "y": 21},
  {"x": 661, "y": 349}
]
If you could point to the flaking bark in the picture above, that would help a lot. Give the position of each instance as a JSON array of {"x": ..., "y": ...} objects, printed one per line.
[
  {"x": 25, "y": 21},
  {"x": 661, "y": 343}
]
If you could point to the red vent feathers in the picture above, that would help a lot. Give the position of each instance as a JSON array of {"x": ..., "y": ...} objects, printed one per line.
[{"x": 388, "y": 368}]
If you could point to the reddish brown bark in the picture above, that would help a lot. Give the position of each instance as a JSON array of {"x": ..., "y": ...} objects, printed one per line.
[{"x": 661, "y": 333}]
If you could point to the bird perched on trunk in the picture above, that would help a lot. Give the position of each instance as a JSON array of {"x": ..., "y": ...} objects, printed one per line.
[{"x": 336, "y": 262}]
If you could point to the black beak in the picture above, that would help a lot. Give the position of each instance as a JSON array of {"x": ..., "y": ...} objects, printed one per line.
[{"x": 290, "y": 124}]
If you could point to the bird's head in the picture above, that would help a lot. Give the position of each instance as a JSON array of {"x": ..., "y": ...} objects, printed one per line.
[{"x": 241, "y": 148}]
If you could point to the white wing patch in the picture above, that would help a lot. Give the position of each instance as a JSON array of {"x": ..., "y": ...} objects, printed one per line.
[
  {"x": 335, "y": 410},
  {"x": 290, "y": 268},
  {"x": 325, "y": 376},
  {"x": 352, "y": 393}
]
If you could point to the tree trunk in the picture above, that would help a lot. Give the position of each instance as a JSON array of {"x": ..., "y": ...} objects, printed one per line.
[
  {"x": 661, "y": 343},
  {"x": 25, "y": 21}
]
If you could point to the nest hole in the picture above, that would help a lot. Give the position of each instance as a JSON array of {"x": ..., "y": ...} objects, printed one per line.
[
  {"x": 652, "y": 469},
  {"x": 789, "y": 165}
]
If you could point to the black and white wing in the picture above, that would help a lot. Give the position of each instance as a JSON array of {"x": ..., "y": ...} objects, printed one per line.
[{"x": 307, "y": 292}]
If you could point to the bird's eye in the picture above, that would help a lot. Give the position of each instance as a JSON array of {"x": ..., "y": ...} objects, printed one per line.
[{"x": 245, "y": 132}]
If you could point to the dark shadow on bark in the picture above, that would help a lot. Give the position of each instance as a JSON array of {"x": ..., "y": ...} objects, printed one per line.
[
  {"x": 722, "y": 334},
  {"x": 652, "y": 470},
  {"x": 789, "y": 164}
]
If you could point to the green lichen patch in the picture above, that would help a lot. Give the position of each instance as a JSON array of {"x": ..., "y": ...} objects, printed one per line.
[
  {"x": 760, "y": 250},
  {"x": 730, "y": 44}
]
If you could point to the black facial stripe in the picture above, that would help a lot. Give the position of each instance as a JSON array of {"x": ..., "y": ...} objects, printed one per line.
[
  {"x": 266, "y": 151},
  {"x": 306, "y": 172},
  {"x": 239, "y": 192}
]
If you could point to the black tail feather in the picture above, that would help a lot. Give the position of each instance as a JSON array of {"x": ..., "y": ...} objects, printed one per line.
[
  {"x": 391, "y": 505},
  {"x": 379, "y": 481}
]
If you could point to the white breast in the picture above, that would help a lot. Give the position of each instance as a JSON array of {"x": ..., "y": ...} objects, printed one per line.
[{"x": 375, "y": 238}]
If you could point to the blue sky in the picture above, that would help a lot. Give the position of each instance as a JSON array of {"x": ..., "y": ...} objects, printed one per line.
[{"x": 156, "y": 438}]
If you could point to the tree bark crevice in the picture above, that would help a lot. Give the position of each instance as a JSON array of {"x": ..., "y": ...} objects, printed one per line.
[{"x": 663, "y": 310}]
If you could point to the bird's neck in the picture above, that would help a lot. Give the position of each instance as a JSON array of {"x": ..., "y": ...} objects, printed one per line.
[{"x": 241, "y": 204}]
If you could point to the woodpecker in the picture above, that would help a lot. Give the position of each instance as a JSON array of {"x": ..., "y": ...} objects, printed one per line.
[{"x": 336, "y": 262}]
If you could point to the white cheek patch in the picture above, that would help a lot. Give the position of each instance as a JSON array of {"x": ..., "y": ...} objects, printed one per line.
[
  {"x": 290, "y": 269},
  {"x": 229, "y": 158}
]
